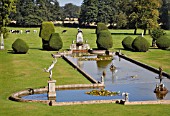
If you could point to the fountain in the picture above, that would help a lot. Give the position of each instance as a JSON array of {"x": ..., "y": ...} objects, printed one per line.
[
  {"x": 79, "y": 46},
  {"x": 160, "y": 89}
]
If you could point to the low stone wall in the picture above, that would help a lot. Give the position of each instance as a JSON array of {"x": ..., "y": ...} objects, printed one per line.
[
  {"x": 53, "y": 103},
  {"x": 92, "y": 80},
  {"x": 18, "y": 95},
  {"x": 148, "y": 102},
  {"x": 144, "y": 66}
]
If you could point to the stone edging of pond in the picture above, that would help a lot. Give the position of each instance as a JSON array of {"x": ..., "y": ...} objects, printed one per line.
[
  {"x": 18, "y": 95},
  {"x": 91, "y": 79},
  {"x": 144, "y": 65}
]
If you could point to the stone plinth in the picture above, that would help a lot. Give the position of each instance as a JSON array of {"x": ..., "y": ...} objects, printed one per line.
[{"x": 51, "y": 90}]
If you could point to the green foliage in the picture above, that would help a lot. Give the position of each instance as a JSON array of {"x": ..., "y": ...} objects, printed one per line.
[
  {"x": 5, "y": 32},
  {"x": 104, "y": 40},
  {"x": 157, "y": 33},
  {"x": 100, "y": 27},
  {"x": 140, "y": 44},
  {"x": 47, "y": 28},
  {"x": 55, "y": 42},
  {"x": 20, "y": 46},
  {"x": 163, "y": 42},
  {"x": 127, "y": 43}
]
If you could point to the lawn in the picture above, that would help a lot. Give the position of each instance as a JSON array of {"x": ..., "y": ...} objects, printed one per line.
[{"x": 22, "y": 71}]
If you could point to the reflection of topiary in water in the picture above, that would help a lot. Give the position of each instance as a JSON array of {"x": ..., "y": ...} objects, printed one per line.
[
  {"x": 20, "y": 46},
  {"x": 104, "y": 40},
  {"x": 55, "y": 42},
  {"x": 140, "y": 44},
  {"x": 127, "y": 43},
  {"x": 163, "y": 42}
]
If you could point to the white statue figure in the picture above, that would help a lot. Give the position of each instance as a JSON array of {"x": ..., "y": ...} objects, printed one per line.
[
  {"x": 79, "y": 36},
  {"x": 50, "y": 68},
  {"x": 126, "y": 96}
]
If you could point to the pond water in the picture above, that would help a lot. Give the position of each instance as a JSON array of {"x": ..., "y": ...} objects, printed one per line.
[{"x": 140, "y": 88}]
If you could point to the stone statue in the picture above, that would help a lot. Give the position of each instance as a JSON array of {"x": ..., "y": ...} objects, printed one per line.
[
  {"x": 160, "y": 75},
  {"x": 49, "y": 70},
  {"x": 79, "y": 36},
  {"x": 126, "y": 96}
]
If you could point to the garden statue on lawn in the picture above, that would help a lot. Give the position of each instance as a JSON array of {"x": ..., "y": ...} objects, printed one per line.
[{"x": 49, "y": 70}]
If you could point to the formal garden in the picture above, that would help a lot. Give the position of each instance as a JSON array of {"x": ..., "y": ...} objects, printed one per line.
[
  {"x": 23, "y": 71},
  {"x": 93, "y": 49}
]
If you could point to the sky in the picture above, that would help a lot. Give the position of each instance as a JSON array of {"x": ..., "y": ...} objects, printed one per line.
[{"x": 75, "y": 2}]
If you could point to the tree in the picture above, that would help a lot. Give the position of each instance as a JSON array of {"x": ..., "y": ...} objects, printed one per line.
[
  {"x": 145, "y": 14},
  {"x": 89, "y": 11},
  {"x": 71, "y": 11},
  {"x": 165, "y": 14},
  {"x": 6, "y": 7},
  {"x": 33, "y": 12}
]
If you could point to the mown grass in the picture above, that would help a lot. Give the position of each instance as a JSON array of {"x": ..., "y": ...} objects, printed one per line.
[{"x": 21, "y": 71}]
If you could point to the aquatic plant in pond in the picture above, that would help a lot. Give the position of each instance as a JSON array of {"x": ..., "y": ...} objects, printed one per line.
[{"x": 103, "y": 92}]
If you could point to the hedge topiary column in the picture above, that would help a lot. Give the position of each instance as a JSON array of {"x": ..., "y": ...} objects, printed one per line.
[
  {"x": 47, "y": 28},
  {"x": 104, "y": 40},
  {"x": 100, "y": 27},
  {"x": 55, "y": 42}
]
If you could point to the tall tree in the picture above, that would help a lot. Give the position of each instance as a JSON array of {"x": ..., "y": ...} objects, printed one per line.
[
  {"x": 6, "y": 7},
  {"x": 70, "y": 11},
  {"x": 89, "y": 11},
  {"x": 145, "y": 14},
  {"x": 165, "y": 14}
]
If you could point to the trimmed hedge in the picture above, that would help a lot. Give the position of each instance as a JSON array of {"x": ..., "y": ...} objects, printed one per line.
[
  {"x": 127, "y": 43},
  {"x": 163, "y": 42},
  {"x": 104, "y": 40},
  {"x": 20, "y": 46},
  {"x": 55, "y": 42},
  {"x": 46, "y": 29},
  {"x": 140, "y": 44},
  {"x": 100, "y": 27}
]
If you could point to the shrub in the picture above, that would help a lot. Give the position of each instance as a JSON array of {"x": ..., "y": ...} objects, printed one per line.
[
  {"x": 155, "y": 34},
  {"x": 127, "y": 43},
  {"x": 104, "y": 40},
  {"x": 100, "y": 27},
  {"x": 55, "y": 42},
  {"x": 46, "y": 29},
  {"x": 20, "y": 46},
  {"x": 163, "y": 42},
  {"x": 140, "y": 44}
]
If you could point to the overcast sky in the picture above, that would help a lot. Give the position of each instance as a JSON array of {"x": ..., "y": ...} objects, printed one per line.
[{"x": 75, "y": 2}]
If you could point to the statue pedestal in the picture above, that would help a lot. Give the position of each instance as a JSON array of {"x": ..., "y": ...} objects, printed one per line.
[{"x": 51, "y": 90}]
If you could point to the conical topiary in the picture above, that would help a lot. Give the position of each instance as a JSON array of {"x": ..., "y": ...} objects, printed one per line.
[{"x": 55, "y": 42}]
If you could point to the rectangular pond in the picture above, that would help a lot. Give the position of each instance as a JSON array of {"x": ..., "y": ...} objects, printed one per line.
[{"x": 128, "y": 77}]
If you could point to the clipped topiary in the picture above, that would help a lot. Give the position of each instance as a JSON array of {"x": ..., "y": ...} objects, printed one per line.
[
  {"x": 155, "y": 34},
  {"x": 100, "y": 27},
  {"x": 46, "y": 29},
  {"x": 55, "y": 42},
  {"x": 163, "y": 42},
  {"x": 104, "y": 40},
  {"x": 20, "y": 46},
  {"x": 140, "y": 44},
  {"x": 127, "y": 43}
]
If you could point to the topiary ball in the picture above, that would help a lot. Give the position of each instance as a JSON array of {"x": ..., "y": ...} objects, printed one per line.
[
  {"x": 140, "y": 44},
  {"x": 163, "y": 42},
  {"x": 55, "y": 42},
  {"x": 20, "y": 46},
  {"x": 104, "y": 40},
  {"x": 127, "y": 43}
]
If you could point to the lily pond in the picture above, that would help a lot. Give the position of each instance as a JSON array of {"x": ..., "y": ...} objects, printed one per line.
[{"x": 128, "y": 77}]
